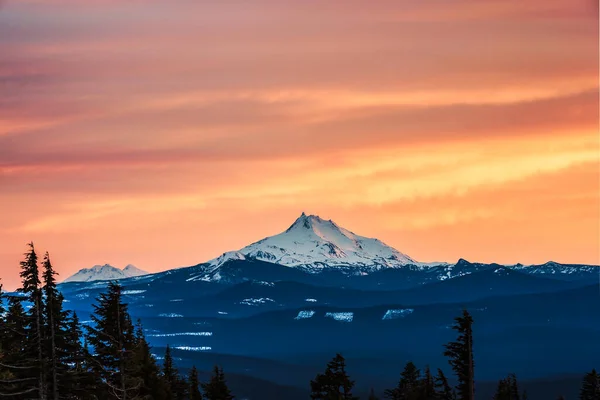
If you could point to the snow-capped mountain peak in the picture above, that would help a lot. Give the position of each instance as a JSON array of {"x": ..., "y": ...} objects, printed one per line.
[
  {"x": 131, "y": 270},
  {"x": 312, "y": 242},
  {"x": 104, "y": 273}
]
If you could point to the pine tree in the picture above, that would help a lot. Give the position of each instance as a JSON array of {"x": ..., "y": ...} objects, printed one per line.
[
  {"x": 216, "y": 388},
  {"x": 3, "y": 332},
  {"x": 146, "y": 368},
  {"x": 507, "y": 389},
  {"x": 31, "y": 287},
  {"x": 112, "y": 339},
  {"x": 78, "y": 383},
  {"x": 409, "y": 385},
  {"x": 54, "y": 318},
  {"x": 502, "y": 391},
  {"x": 18, "y": 374},
  {"x": 194, "y": 383},
  {"x": 442, "y": 387},
  {"x": 334, "y": 383},
  {"x": 590, "y": 387},
  {"x": 176, "y": 386},
  {"x": 514, "y": 387},
  {"x": 460, "y": 355},
  {"x": 427, "y": 386}
]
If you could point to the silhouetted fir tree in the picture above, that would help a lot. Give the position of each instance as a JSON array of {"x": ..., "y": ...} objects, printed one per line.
[
  {"x": 2, "y": 314},
  {"x": 31, "y": 287},
  {"x": 18, "y": 373},
  {"x": 427, "y": 385},
  {"x": 54, "y": 331},
  {"x": 502, "y": 391},
  {"x": 590, "y": 387},
  {"x": 78, "y": 383},
  {"x": 334, "y": 383},
  {"x": 409, "y": 386},
  {"x": 112, "y": 339},
  {"x": 216, "y": 388},
  {"x": 507, "y": 389},
  {"x": 561, "y": 397},
  {"x": 442, "y": 387},
  {"x": 514, "y": 387},
  {"x": 176, "y": 385},
  {"x": 372, "y": 395},
  {"x": 194, "y": 385},
  {"x": 525, "y": 396},
  {"x": 146, "y": 368},
  {"x": 460, "y": 355},
  {"x": 3, "y": 332}
]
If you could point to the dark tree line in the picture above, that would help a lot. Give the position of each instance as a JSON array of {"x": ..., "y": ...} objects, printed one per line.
[
  {"x": 45, "y": 355},
  {"x": 414, "y": 384}
]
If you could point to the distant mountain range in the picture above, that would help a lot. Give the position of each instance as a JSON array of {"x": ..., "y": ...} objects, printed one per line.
[
  {"x": 319, "y": 246},
  {"x": 105, "y": 272},
  {"x": 274, "y": 312}
]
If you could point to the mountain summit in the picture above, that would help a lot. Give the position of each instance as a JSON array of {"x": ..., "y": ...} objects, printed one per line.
[
  {"x": 105, "y": 272},
  {"x": 316, "y": 243}
]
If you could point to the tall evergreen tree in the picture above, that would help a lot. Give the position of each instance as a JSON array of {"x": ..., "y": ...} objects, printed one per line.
[
  {"x": 216, "y": 388},
  {"x": 460, "y": 354},
  {"x": 194, "y": 384},
  {"x": 502, "y": 390},
  {"x": 176, "y": 386},
  {"x": 54, "y": 318},
  {"x": 3, "y": 331},
  {"x": 18, "y": 381},
  {"x": 442, "y": 387},
  {"x": 428, "y": 385},
  {"x": 112, "y": 339},
  {"x": 590, "y": 387},
  {"x": 78, "y": 383},
  {"x": 146, "y": 368},
  {"x": 409, "y": 386},
  {"x": 31, "y": 287},
  {"x": 508, "y": 389},
  {"x": 514, "y": 387},
  {"x": 334, "y": 383}
]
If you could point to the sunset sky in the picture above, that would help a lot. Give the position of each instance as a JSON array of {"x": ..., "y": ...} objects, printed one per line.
[{"x": 163, "y": 133}]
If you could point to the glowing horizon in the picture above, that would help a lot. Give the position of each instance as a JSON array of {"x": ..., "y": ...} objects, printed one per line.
[{"x": 162, "y": 135}]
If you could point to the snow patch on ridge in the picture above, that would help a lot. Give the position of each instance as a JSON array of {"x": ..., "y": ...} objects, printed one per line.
[
  {"x": 228, "y": 256},
  {"x": 255, "y": 302},
  {"x": 395, "y": 314},
  {"x": 340, "y": 316},
  {"x": 130, "y": 292},
  {"x": 305, "y": 314},
  {"x": 170, "y": 315},
  {"x": 189, "y": 348},
  {"x": 181, "y": 334}
]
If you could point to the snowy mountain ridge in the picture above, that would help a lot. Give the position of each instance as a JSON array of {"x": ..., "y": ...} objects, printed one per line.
[
  {"x": 104, "y": 273},
  {"x": 312, "y": 243}
]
